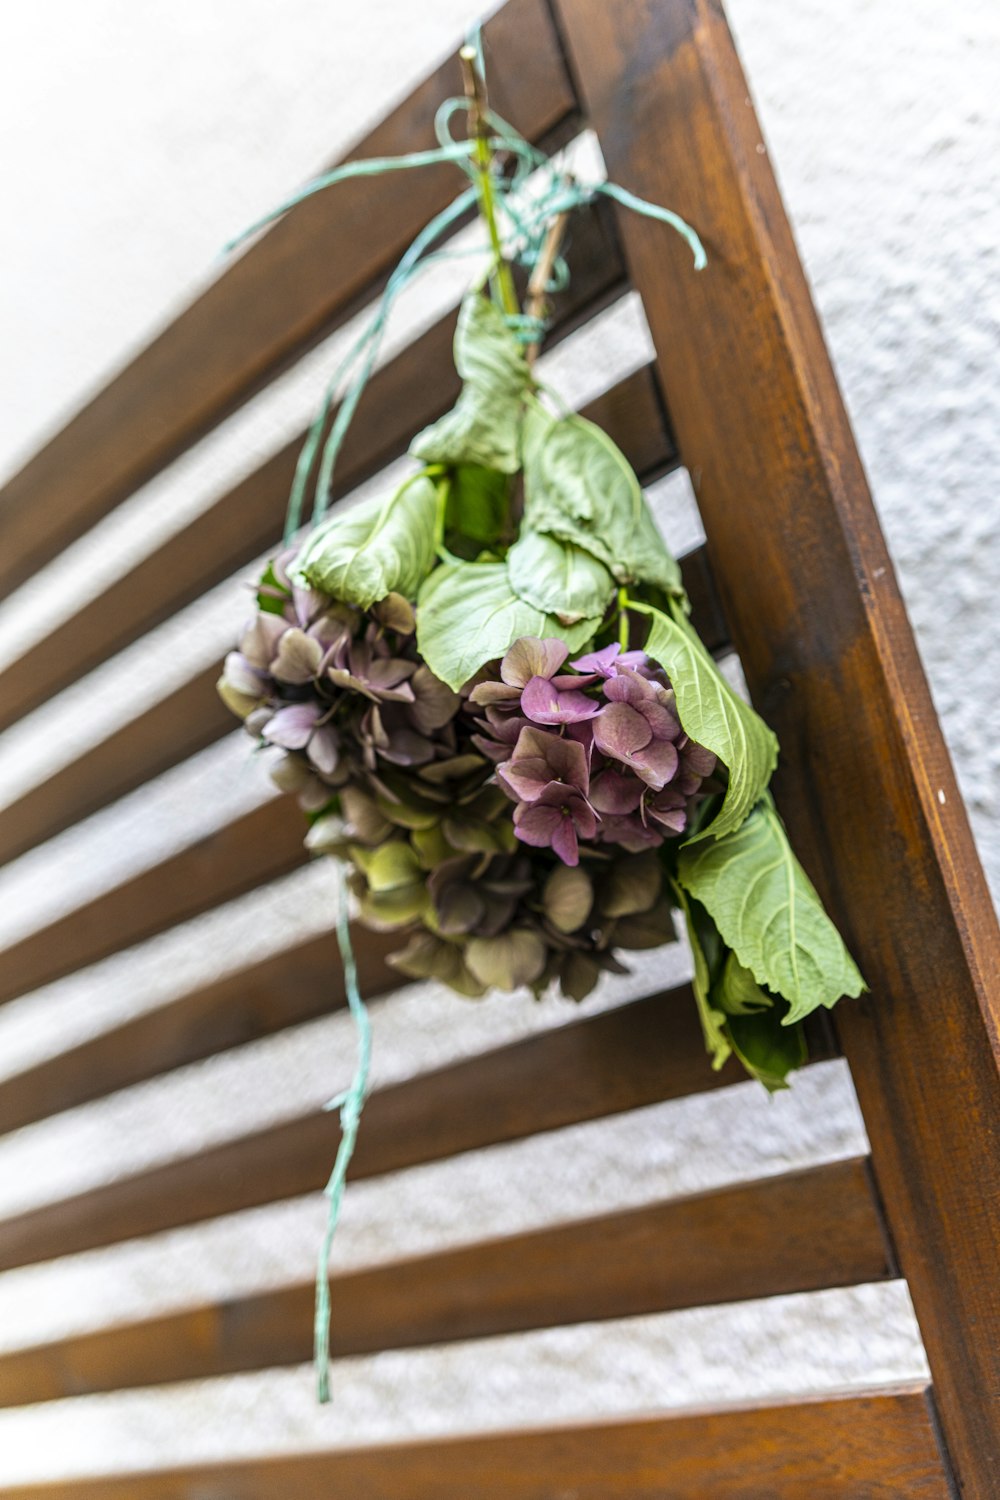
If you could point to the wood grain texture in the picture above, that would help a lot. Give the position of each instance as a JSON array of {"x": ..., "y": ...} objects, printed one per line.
[
  {"x": 796, "y": 1233},
  {"x": 878, "y": 1446},
  {"x": 865, "y": 782},
  {"x": 294, "y": 985},
  {"x": 639, "y": 1054},
  {"x": 259, "y": 846},
  {"x": 192, "y": 717},
  {"x": 406, "y": 394},
  {"x": 300, "y": 279}
]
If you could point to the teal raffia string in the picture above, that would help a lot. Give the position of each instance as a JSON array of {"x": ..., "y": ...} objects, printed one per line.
[
  {"x": 362, "y": 354},
  {"x": 522, "y": 240},
  {"x": 372, "y": 166},
  {"x": 350, "y": 1106}
]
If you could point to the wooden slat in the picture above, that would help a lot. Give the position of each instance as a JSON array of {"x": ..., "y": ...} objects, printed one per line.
[
  {"x": 879, "y": 1446},
  {"x": 865, "y": 782},
  {"x": 192, "y": 717},
  {"x": 640, "y": 1054},
  {"x": 409, "y": 392},
  {"x": 189, "y": 719},
  {"x": 259, "y": 846},
  {"x": 300, "y": 279},
  {"x": 295, "y": 985},
  {"x": 797, "y": 1233}
]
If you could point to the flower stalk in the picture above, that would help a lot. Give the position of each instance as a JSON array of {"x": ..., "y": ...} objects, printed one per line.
[{"x": 475, "y": 93}]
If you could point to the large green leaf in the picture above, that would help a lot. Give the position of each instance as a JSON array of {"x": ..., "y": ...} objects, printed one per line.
[
  {"x": 714, "y": 716},
  {"x": 706, "y": 953},
  {"x": 484, "y": 426},
  {"x": 486, "y": 352},
  {"x": 580, "y": 487},
  {"x": 477, "y": 511},
  {"x": 766, "y": 1048},
  {"x": 480, "y": 429},
  {"x": 558, "y": 577},
  {"x": 378, "y": 548},
  {"x": 469, "y": 614},
  {"x": 737, "y": 991},
  {"x": 768, "y": 913}
]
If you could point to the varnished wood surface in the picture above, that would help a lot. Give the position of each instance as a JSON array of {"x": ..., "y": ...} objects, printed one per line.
[
  {"x": 300, "y": 279},
  {"x": 405, "y": 395},
  {"x": 294, "y": 985},
  {"x": 808, "y": 586},
  {"x": 638, "y": 1054},
  {"x": 259, "y": 846},
  {"x": 877, "y": 1446},
  {"x": 796, "y": 1233}
]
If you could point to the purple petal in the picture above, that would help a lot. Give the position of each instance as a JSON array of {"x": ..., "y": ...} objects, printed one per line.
[
  {"x": 620, "y": 731},
  {"x": 259, "y": 641},
  {"x": 536, "y": 825},
  {"x": 324, "y": 748},
  {"x": 435, "y": 705},
  {"x": 631, "y": 833},
  {"x": 564, "y": 842},
  {"x": 291, "y": 727},
  {"x": 697, "y": 759},
  {"x": 506, "y": 727},
  {"x": 615, "y": 794},
  {"x": 602, "y": 662},
  {"x": 390, "y": 672},
  {"x": 494, "y": 692},
  {"x": 583, "y": 732},
  {"x": 346, "y": 680},
  {"x": 629, "y": 687},
  {"x": 242, "y": 677},
  {"x": 543, "y": 703},
  {"x": 298, "y": 658},
  {"x": 530, "y": 657},
  {"x": 489, "y": 748},
  {"x": 657, "y": 763},
  {"x": 668, "y": 808},
  {"x": 539, "y": 758},
  {"x": 664, "y": 724},
  {"x": 404, "y": 747}
]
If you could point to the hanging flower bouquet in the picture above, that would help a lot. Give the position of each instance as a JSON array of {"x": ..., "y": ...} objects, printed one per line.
[{"x": 488, "y": 696}]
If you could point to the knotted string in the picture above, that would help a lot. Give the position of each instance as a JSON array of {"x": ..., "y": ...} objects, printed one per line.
[
  {"x": 521, "y": 239},
  {"x": 350, "y": 1106}
]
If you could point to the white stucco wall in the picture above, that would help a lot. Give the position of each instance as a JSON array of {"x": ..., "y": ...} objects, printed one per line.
[{"x": 136, "y": 138}]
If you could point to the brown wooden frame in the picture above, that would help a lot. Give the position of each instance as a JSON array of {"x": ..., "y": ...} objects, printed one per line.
[{"x": 809, "y": 599}]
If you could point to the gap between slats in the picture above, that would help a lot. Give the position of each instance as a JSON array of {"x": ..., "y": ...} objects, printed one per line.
[
  {"x": 804, "y": 1231},
  {"x": 638, "y": 1054},
  {"x": 880, "y": 1444}
]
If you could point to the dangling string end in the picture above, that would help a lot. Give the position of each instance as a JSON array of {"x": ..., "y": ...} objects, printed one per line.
[{"x": 351, "y": 1104}]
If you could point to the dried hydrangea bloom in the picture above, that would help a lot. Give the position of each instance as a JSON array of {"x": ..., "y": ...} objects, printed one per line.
[
  {"x": 413, "y": 785},
  {"x": 596, "y": 754}
]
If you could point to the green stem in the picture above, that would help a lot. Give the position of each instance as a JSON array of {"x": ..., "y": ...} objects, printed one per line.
[
  {"x": 623, "y": 603},
  {"x": 475, "y": 92},
  {"x": 487, "y": 205}
]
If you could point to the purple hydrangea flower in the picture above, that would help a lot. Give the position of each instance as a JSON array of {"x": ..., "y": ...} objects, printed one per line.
[
  {"x": 556, "y": 819},
  {"x": 604, "y": 736}
]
